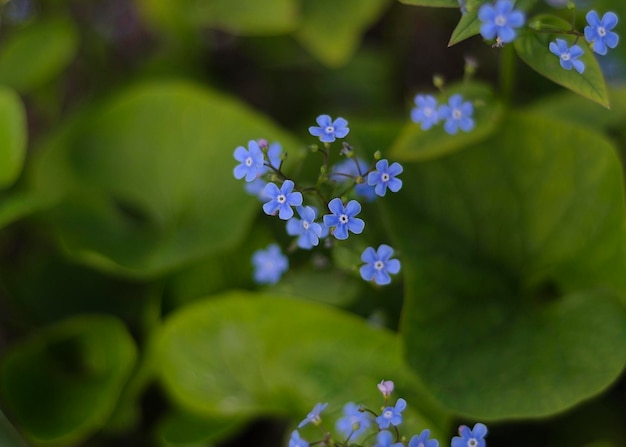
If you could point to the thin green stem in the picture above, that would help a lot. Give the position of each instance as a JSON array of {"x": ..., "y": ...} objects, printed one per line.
[{"x": 507, "y": 74}]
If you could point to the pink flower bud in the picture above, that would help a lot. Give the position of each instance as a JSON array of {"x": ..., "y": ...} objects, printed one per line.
[{"x": 386, "y": 387}]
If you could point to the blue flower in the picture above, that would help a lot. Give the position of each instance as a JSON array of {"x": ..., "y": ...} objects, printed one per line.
[
  {"x": 308, "y": 231},
  {"x": 422, "y": 440},
  {"x": 425, "y": 112},
  {"x": 273, "y": 155},
  {"x": 354, "y": 421},
  {"x": 348, "y": 169},
  {"x": 568, "y": 56},
  {"x": 391, "y": 415},
  {"x": 328, "y": 129},
  {"x": 314, "y": 415},
  {"x": 342, "y": 218},
  {"x": 256, "y": 187},
  {"x": 599, "y": 31},
  {"x": 250, "y": 162},
  {"x": 269, "y": 265},
  {"x": 473, "y": 438},
  {"x": 458, "y": 114},
  {"x": 498, "y": 21},
  {"x": 384, "y": 438},
  {"x": 281, "y": 200},
  {"x": 296, "y": 440},
  {"x": 378, "y": 264},
  {"x": 385, "y": 177}
]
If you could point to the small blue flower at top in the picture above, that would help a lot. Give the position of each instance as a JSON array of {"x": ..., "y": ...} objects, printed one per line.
[
  {"x": 474, "y": 437},
  {"x": 426, "y": 111},
  {"x": 391, "y": 415},
  {"x": 296, "y": 440},
  {"x": 422, "y": 440},
  {"x": 385, "y": 177},
  {"x": 314, "y": 415},
  {"x": 347, "y": 169},
  {"x": 599, "y": 33},
  {"x": 354, "y": 421},
  {"x": 378, "y": 265},
  {"x": 343, "y": 218},
  {"x": 308, "y": 231},
  {"x": 499, "y": 20},
  {"x": 458, "y": 115},
  {"x": 384, "y": 439},
  {"x": 250, "y": 162},
  {"x": 328, "y": 129},
  {"x": 281, "y": 199},
  {"x": 568, "y": 56},
  {"x": 269, "y": 265}
]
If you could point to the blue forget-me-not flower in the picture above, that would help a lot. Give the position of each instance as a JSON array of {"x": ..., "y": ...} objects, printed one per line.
[
  {"x": 422, "y": 440},
  {"x": 347, "y": 169},
  {"x": 308, "y": 232},
  {"x": 473, "y": 438},
  {"x": 499, "y": 20},
  {"x": 458, "y": 114},
  {"x": 269, "y": 264},
  {"x": 250, "y": 162},
  {"x": 328, "y": 129},
  {"x": 385, "y": 438},
  {"x": 385, "y": 177},
  {"x": 314, "y": 415},
  {"x": 296, "y": 440},
  {"x": 354, "y": 421},
  {"x": 343, "y": 218},
  {"x": 281, "y": 199},
  {"x": 425, "y": 112},
  {"x": 391, "y": 415},
  {"x": 599, "y": 33},
  {"x": 378, "y": 265},
  {"x": 568, "y": 56}
]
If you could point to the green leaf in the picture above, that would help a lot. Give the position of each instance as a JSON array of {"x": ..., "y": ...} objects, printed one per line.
[
  {"x": 533, "y": 48},
  {"x": 433, "y": 3},
  {"x": 415, "y": 144},
  {"x": 513, "y": 255},
  {"x": 180, "y": 428},
  {"x": 62, "y": 384},
  {"x": 9, "y": 437},
  {"x": 33, "y": 56},
  {"x": 243, "y": 355},
  {"x": 333, "y": 38},
  {"x": 13, "y": 134},
  {"x": 468, "y": 26},
  {"x": 152, "y": 179}
]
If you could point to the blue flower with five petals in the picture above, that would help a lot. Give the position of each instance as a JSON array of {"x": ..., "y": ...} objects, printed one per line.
[
  {"x": 498, "y": 21},
  {"x": 281, "y": 200},
  {"x": 568, "y": 56},
  {"x": 250, "y": 162},
  {"x": 422, "y": 440},
  {"x": 343, "y": 218},
  {"x": 328, "y": 129},
  {"x": 314, "y": 415},
  {"x": 308, "y": 231},
  {"x": 378, "y": 265},
  {"x": 458, "y": 114},
  {"x": 354, "y": 421},
  {"x": 599, "y": 31},
  {"x": 474, "y": 437},
  {"x": 269, "y": 265},
  {"x": 426, "y": 111},
  {"x": 385, "y": 177},
  {"x": 391, "y": 415}
]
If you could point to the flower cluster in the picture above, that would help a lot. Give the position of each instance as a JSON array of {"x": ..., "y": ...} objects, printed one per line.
[
  {"x": 260, "y": 165},
  {"x": 456, "y": 114},
  {"x": 498, "y": 21},
  {"x": 358, "y": 420}
]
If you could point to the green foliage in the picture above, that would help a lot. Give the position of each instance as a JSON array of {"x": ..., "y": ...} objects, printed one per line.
[
  {"x": 12, "y": 137},
  {"x": 523, "y": 290},
  {"x": 63, "y": 383},
  {"x": 433, "y": 3}
]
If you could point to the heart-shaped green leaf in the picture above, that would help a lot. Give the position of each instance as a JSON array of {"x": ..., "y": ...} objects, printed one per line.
[
  {"x": 153, "y": 185},
  {"x": 62, "y": 384},
  {"x": 533, "y": 48},
  {"x": 514, "y": 257}
]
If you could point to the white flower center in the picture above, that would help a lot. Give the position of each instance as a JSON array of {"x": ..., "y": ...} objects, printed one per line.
[
  {"x": 281, "y": 198},
  {"x": 378, "y": 265},
  {"x": 248, "y": 161},
  {"x": 428, "y": 111},
  {"x": 565, "y": 56},
  {"x": 387, "y": 413},
  {"x": 330, "y": 129},
  {"x": 601, "y": 31},
  {"x": 500, "y": 20},
  {"x": 343, "y": 219},
  {"x": 384, "y": 177},
  {"x": 305, "y": 224},
  {"x": 457, "y": 114},
  {"x": 472, "y": 442}
]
